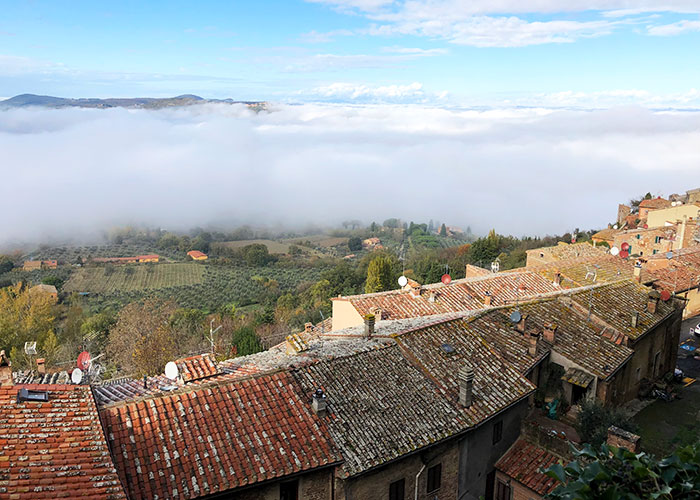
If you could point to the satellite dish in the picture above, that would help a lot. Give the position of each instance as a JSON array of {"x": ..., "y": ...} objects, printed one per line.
[
  {"x": 665, "y": 295},
  {"x": 446, "y": 279},
  {"x": 403, "y": 281},
  {"x": 171, "y": 370},
  {"x": 515, "y": 317},
  {"x": 669, "y": 255},
  {"x": 83, "y": 360},
  {"x": 625, "y": 246},
  {"x": 615, "y": 226},
  {"x": 76, "y": 376},
  {"x": 614, "y": 251},
  {"x": 624, "y": 254}
]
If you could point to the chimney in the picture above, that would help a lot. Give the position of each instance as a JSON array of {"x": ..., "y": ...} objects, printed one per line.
[
  {"x": 638, "y": 272},
  {"x": 620, "y": 438},
  {"x": 308, "y": 327},
  {"x": 369, "y": 325},
  {"x": 377, "y": 311},
  {"x": 549, "y": 332},
  {"x": 557, "y": 279},
  {"x": 318, "y": 403},
  {"x": 487, "y": 299},
  {"x": 466, "y": 385},
  {"x": 520, "y": 325},
  {"x": 41, "y": 366},
  {"x": 431, "y": 296},
  {"x": 532, "y": 348},
  {"x": 416, "y": 290},
  {"x": 653, "y": 301},
  {"x": 5, "y": 370},
  {"x": 635, "y": 319}
]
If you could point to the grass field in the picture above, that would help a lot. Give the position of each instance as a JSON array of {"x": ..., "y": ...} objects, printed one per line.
[
  {"x": 272, "y": 246},
  {"x": 128, "y": 278}
]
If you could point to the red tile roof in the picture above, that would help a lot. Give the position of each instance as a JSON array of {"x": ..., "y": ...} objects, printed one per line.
[
  {"x": 216, "y": 437},
  {"x": 523, "y": 462},
  {"x": 461, "y": 295},
  {"x": 655, "y": 203},
  {"x": 196, "y": 254},
  {"x": 197, "y": 367},
  {"x": 54, "y": 449}
]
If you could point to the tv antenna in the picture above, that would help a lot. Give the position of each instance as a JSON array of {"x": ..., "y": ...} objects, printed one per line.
[{"x": 212, "y": 331}]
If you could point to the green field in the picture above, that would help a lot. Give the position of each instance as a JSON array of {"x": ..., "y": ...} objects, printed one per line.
[{"x": 130, "y": 277}]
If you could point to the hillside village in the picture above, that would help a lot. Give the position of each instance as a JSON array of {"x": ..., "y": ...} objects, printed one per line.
[{"x": 393, "y": 361}]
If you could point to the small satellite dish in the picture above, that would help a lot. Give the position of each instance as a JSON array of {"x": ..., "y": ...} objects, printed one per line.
[
  {"x": 446, "y": 279},
  {"x": 515, "y": 317},
  {"x": 614, "y": 251},
  {"x": 76, "y": 376},
  {"x": 625, "y": 246},
  {"x": 669, "y": 255},
  {"x": 83, "y": 360},
  {"x": 171, "y": 370},
  {"x": 624, "y": 254},
  {"x": 665, "y": 295},
  {"x": 403, "y": 281},
  {"x": 615, "y": 226}
]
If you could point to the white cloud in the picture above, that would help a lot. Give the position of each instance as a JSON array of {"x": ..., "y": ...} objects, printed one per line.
[
  {"x": 674, "y": 28},
  {"x": 412, "y": 92},
  {"x": 324, "y": 37},
  {"x": 518, "y": 170},
  {"x": 609, "y": 98},
  {"x": 488, "y": 23}
]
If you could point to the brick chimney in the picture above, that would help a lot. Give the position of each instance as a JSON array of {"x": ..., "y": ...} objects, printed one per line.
[
  {"x": 41, "y": 366},
  {"x": 620, "y": 438},
  {"x": 532, "y": 348},
  {"x": 520, "y": 325},
  {"x": 308, "y": 327},
  {"x": 487, "y": 299},
  {"x": 5, "y": 370},
  {"x": 549, "y": 332},
  {"x": 557, "y": 279},
  {"x": 369, "y": 325},
  {"x": 635, "y": 319},
  {"x": 318, "y": 403},
  {"x": 653, "y": 301},
  {"x": 638, "y": 272},
  {"x": 466, "y": 385}
]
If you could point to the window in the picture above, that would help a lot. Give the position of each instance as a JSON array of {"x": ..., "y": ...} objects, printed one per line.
[
  {"x": 396, "y": 490},
  {"x": 434, "y": 476},
  {"x": 502, "y": 490},
  {"x": 657, "y": 239},
  {"x": 654, "y": 252},
  {"x": 289, "y": 490},
  {"x": 497, "y": 431},
  {"x": 639, "y": 236}
]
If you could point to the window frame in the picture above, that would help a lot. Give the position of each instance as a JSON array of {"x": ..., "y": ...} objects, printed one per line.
[
  {"x": 497, "y": 435},
  {"x": 434, "y": 478},
  {"x": 397, "y": 489}
]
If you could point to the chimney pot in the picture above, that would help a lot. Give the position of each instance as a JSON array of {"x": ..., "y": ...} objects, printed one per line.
[
  {"x": 41, "y": 366},
  {"x": 532, "y": 348},
  {"x": 318, "y": 403},
  {"x": 520, "y": 325},
  {"x": 487, "y": 299},
  {"x": 369, "y": 325},
  {"x": 557, "y": 279},
  {"x": 635, "y": 319},
  {"x": 5, "y": 370},
  {"x": 466, "y": 386},
  {"x": 549, "y": 332}
]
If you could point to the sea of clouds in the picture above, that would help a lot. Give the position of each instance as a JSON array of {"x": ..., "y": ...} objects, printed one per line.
[{"x": 521, "y": 171}]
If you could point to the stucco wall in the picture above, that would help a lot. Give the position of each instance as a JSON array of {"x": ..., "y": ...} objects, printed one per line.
[
  {"x": 658, "y": 218},
  {"x": 345, "y": 315}
]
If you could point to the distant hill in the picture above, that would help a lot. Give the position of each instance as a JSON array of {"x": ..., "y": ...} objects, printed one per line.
[{"x": 25, "y": 100}]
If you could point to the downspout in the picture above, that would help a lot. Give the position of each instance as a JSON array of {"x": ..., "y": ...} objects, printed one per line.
[{"x": 417, "y": 476}]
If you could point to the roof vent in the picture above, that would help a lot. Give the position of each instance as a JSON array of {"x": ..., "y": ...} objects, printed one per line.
[{"x": 25, "y": 395}]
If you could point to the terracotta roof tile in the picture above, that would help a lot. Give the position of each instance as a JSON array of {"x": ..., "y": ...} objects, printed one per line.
[
  {"x": 216, "y": 437},
  {"x": 54, "y": 449},
  {"x": 523, "y": 462},
  {"x": 197, "y": 367}
]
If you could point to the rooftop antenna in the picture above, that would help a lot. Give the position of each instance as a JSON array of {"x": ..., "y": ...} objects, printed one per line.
[
  {"x": 323, "y": 320},
  {"x": 593, "y": 274},
  {"x": 590, "y": 305},
  {"x": 212, "y": 331}
]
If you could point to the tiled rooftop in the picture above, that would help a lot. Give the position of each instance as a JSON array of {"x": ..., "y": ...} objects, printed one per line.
[
  {"x": 381, "y": 407},
  {"x": 565, "y": 251},
  {"x": 680, "y": 273},
  {"x": 197, "y": 367},
  {"x": 523, "y": 462},
  {"x": 216, "y": 436},
  {"x": 461, "y": 295},
  {"x": 54, "y": 449}
]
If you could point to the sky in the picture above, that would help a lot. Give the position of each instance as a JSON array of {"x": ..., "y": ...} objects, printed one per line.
[{"x": 526, "y": 116}]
